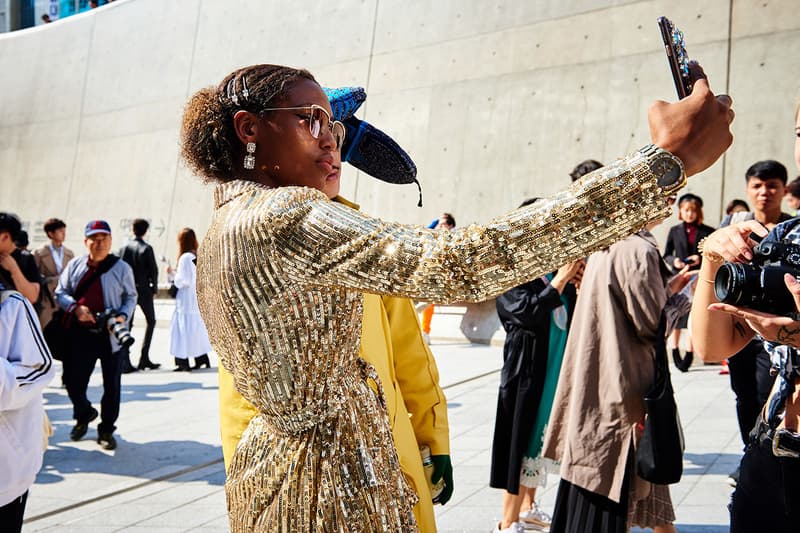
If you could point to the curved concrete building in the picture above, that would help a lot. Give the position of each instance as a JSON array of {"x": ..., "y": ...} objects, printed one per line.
[{"x": 496, "y": 101}]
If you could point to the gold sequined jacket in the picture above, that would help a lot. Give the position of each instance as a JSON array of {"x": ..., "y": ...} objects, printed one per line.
[{"x": 280, "y": 279}]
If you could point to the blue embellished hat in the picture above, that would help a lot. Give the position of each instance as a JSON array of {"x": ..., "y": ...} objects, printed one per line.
[
  {"x": 345, "y": 101},
  {"x": 366, "y": 147}
]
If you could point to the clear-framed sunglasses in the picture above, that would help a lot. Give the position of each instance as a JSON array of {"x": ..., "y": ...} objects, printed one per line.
[{"x": 318, "y": 120}]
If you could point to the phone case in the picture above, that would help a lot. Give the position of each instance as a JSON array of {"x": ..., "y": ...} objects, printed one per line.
[{"x": 677, "y": 57}]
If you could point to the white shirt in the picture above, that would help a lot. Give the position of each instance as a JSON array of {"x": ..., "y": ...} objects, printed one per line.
[
  {"x": 26, "y": 367},
  {"x": 58, "y": 256}
]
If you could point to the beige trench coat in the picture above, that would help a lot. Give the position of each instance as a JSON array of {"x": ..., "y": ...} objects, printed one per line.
[
  {"x": 608, "y": 366},
  {"x": 47, "y": 268}
]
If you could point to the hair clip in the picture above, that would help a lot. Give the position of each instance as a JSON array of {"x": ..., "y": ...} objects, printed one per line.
[
  {"x": 245, "y": 92},
  {"x": 230, "y": 91}
]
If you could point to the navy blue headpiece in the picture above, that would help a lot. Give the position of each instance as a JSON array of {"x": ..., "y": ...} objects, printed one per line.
[
  {"x": 366, "y": 147},
  {"x": 345, "y": 101}
]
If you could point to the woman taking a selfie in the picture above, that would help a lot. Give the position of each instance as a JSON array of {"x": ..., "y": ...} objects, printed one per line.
[{"x": 282, "y": 270}]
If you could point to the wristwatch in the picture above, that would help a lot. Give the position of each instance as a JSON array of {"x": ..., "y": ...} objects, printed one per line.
[{"x": 668, "y": 169}]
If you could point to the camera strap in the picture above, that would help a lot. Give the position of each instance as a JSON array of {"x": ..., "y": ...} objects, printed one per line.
[
  {"x": 104, "y": 266},
  {"x": 793, "y": 222}
]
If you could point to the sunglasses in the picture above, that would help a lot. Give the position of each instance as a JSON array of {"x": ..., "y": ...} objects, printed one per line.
[{"x": 319, "y": 121}]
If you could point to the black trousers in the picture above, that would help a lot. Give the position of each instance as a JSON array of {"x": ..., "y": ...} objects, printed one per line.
[
  {"x": 11, "y": 514},
  {"x": 767, "y": 497},
  {"x": 751, "y": 382},
  {"x": 86, "y": 347},
  {"x": 145, "y": 301}
]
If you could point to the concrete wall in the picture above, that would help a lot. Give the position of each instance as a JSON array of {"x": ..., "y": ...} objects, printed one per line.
[{"x": 496, "y": 101}]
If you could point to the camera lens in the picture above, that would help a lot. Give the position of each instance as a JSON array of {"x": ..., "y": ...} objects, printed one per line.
[
  {"x": 728, "y": 283},
  {"x": 121, "y": 332},
  {"x": 123, "y": 335}
]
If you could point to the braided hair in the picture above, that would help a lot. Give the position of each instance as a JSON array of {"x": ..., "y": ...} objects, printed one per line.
[{"x": 209, "y": 143}]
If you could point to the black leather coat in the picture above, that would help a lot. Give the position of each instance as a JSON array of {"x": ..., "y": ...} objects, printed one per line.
[{"x": 524, "y": 312}]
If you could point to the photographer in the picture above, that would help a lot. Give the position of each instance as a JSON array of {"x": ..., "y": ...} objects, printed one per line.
[
  {"x": 767, "y": 497},
  {"x": 96, "y": 291}
]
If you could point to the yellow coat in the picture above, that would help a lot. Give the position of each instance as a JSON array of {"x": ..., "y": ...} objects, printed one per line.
[{"x": 391, "y": 341}]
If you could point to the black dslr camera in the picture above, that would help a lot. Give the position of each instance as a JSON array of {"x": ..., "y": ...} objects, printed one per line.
[
  {"x": 759, "y": 284},
  {"x": 107, "y": 320}
]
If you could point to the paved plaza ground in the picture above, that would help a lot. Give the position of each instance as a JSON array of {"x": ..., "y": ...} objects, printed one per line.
[{"x": 167, "y": 475}]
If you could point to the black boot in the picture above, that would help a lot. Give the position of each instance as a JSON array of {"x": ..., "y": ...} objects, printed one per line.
[
  {"x": 146, "y": 364},
  {"x": 127, "y": 367},
  {"x": 682, "y": 363},
  {"x": 201, "y": 361},
  {"x": 676, "y": 357},
  {"x": 182, "y": 365},
  {"x": 688, "y": 359}
]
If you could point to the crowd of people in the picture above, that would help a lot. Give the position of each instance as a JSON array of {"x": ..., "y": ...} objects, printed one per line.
[
  {"x": 332, "y": 416},
  {"x": 630, "y": 297},
  {"x": 78, "y": 309},
  {"x": 319, "y": 424}
]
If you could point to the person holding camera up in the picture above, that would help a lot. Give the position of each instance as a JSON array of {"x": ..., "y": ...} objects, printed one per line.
[
  {"x": 767, "y": 495},
  {"x": 751, "y": 379},
  {"x": 768, "y": 490},
  {"x": 98, "y": 293}
]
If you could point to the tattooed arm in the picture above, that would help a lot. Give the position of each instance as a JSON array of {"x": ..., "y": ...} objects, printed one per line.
[
  {"x": 789, "y": 335},
  {"x": 780, "y": 329},
  {"x": 725, "y": 326},
  {"x": 719, "y": 335}
]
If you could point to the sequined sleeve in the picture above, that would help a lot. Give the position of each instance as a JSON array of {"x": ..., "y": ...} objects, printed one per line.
[{"x": 323, "y": 242}]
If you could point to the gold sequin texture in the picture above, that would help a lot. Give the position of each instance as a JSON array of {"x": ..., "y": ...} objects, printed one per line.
[{"x": 280, "y": 279}]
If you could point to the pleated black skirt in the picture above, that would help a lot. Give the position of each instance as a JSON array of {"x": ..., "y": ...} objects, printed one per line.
[{"x": 581, "y": 511}]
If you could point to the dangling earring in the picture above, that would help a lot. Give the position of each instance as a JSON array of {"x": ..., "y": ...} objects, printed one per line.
[{"x": 250, "y": 159}]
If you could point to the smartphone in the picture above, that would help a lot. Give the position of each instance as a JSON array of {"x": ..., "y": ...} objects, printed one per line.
[{"x": 677, "y": 57}]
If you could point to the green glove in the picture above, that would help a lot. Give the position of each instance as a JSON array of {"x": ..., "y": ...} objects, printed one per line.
[{"x": 442, "y": 468}]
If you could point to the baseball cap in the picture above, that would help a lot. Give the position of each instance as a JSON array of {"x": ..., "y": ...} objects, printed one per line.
[{"x": 96, "y": 226}]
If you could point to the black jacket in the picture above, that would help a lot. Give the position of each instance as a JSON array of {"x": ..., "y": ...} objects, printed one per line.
[
  {"x": 524, "y": 312},
  {"x": 678, "y": 244},
  {"x": 139, "y": 255}
]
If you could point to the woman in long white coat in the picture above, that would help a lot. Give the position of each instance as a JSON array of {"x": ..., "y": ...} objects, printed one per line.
[{"x": 188, "y": 335}]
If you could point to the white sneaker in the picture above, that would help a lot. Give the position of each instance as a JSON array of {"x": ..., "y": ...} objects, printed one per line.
[
  {"x": 536, "y": 519},
  {"x": 515, "y": 527},
  {"x": 426, "y": 338}
]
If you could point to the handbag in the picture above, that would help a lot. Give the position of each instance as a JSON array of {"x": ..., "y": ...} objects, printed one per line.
[
  {"x": 659, "y": 456},
  {"x": 56, "y": 333},
  {"x": 172, "y": 291}
]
